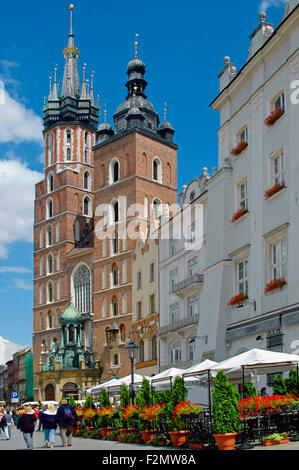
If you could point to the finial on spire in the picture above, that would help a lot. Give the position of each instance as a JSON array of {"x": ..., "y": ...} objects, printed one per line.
[
  {"x": 136, "y": 46},
  {"x": 135, "y": 88},
  {"x": 84, "y": 68},
  {"x": 71, "y": 7},
  {"x": 165, "y": 111},
  {"x": 105, "y": 112}
]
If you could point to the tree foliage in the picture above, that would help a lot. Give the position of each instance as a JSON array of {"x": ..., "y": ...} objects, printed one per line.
[
  {"x": 225, "y": 406},
  {"x": 279, "y": 386},
  {"x": 249, "y": 391},
  {"x": 104, "y": 398},
  {"x": 89, "y": 403},
  {"x": 144, "y": 397}
]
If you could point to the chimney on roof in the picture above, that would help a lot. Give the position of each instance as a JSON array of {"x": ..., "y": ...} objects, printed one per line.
[
  {"x": 261, "y": 34},
  {"x": 227, "y": 73}
]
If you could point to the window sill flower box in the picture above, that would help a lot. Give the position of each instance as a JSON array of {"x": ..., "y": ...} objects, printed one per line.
[
  {"x": 237, "y": 215},
  {"x": 239, "y": 148},
  {"x": 273, "y": 117},
  {"x": 276, "y": 284},
  {"x": 238, "y": 299},
  {"x": 274, "y": 190}
]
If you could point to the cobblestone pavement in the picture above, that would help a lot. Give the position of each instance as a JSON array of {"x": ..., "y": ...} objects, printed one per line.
[{"x": 17, "y": 443}]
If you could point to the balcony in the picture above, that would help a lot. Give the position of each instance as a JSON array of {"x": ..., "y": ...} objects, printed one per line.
[
  {"x": 189, "y": 285},
  {"x": 178, "y": 325}
]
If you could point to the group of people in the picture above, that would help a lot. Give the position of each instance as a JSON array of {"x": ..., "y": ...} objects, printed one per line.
[{"x": 65, "y": 417}]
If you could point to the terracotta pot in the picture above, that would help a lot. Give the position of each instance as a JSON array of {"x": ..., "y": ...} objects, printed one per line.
[
  {"x": 267, "y": 443},
  {"x": 147, "y": 435},
  {"x": 284, "y": 440},
  {"x": 226, "y": 441},
  {"x": 106, "y": 431},
  {"x": 178, "y": 438},
  {"x": 162, "y": 443},
  {"x": 123, "y": 431},
  {"x": 137, "y": 440},
  {"x": 199, "y": 445}
]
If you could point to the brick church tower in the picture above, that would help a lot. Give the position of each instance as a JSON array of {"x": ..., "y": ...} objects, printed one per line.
[{"x": 86, "y": 223}]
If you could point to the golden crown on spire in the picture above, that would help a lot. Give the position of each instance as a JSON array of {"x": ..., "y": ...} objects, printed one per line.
[{"x": 71, "y": 7}]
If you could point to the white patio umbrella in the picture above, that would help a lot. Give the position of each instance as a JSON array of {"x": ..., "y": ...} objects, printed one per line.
[
  {"x": 259, "y": 360},
  {"x": 205, "y": 365},
  {"x": 172, "y": 372},
  {"x": 117, "y": 382},
  {"x": 96, "y": 388}
]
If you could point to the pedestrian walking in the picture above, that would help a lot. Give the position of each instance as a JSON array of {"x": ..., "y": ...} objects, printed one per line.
[
  {"x": 3, "y": 423},
  {"x": 49, "y": 420},
  {"x": 42, "y": 408},
  {"x": 9, "y": 421},
  {"x": 67, "y": 418},
  {"x": 26, "y": 424}
]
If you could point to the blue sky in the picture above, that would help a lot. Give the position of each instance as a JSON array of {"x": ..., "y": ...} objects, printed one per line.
[{"x": 182, "y": 44}]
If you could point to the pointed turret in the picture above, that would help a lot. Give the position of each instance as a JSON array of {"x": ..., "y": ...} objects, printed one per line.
[{"x": 70, "y": 83}]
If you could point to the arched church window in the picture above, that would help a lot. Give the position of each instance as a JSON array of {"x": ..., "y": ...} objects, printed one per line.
[{"x": 82, "y": 289}]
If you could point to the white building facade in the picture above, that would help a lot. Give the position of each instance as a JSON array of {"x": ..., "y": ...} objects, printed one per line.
[
  {"x": 253, "y": 202},
  {"x": 181, "y": 264}
]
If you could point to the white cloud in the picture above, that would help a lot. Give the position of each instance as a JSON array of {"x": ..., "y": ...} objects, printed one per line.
[
  {"x": 21, "y": 284},
  {"x": 14, "y": 269},
  {"x": 17, "y": 189},
  {"x": 265, "y": 4},
  {"x": 17, "y": 123}
]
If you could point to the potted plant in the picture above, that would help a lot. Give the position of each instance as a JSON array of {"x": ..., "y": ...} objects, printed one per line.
[
  {"x": 105, "y": 420},
  {"x": 178, "y": 433},
  {"x": 275, "y": 439},
  {"x": 273, "y": 117},
  {"x": 242, "y": 145},
  {"x": 238, "y": 299},
  {"x": 88, "y": 418},
  {"x": 195, "y": 443},
  {"x": 237, "y": 215},
  {"x": 274, "y": 189},
  {"x": 147, "y": 419},
  {"x": 226, "y": 423},
  {"x": 275, "y": 284},
  {"x": 160, "y": 440},
  {"x": 129, "y": 415}
]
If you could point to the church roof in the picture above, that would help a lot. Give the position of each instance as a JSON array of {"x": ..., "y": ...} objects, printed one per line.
[{"x": 71, "y": 313}]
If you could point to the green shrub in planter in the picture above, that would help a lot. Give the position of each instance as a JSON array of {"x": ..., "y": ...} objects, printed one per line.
[
  {"x": 88, "y": 403},
  {"x": 279, "y": 386},
  {"x": 225, "y": 406},
  {"x": 112, "y": 436},
  {"x": 250, "y": 391}
]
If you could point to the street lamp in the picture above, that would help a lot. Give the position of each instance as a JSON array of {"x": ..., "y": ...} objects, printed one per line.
[{"x": 131, "y": 349}]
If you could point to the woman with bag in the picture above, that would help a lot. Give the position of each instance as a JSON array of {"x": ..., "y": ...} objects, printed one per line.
[
  {"x": 26, "y": 424},
  {"x": 48, "y": 418}
]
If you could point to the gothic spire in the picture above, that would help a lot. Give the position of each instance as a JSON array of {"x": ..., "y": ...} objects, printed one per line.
[{"x": 71, "y": 83}]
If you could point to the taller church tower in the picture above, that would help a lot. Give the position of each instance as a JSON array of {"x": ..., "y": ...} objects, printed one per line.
[{"x": 63, "y": 223}]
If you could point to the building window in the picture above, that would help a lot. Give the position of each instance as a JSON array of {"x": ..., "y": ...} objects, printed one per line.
[
  {"x": 174, "y": 313},
  {"x": 175, "y": 353},
  {"x": 191, "y": 350},
  {"x": 193, "y": 305},
  {"x": 115, "y": 212},
  {"x": 125, "y": 272},
  {"x": 139, "y": 283},
  {"x": 173, "y": 279},
  {"x": 242, "y": 195},
  {"x": 278, "y": 169},
  {"x": 50, "y": 264},
  {"x": 115, "y": 307},
  {"x": 114, "y": 170},
  {"x": 192, "y": 267},
  {"x": 279, "y": 259},
  {"x": 86, "y": 148},
  {"x": 58, "y": 289},
  {"x": 87, "y": 206},
  {"x": 122, "y": 333},
  {"x": 50, "y": 322},
  {"x": 41, "y": 294},
  {"x": 152, "y": 303},
  {"x": 51, "y": 149},
  {"x": 173, "y": 247},
  {"x": 86, "y": 180},
  {"x": 104, "y": 308},
  {"x": 154, "y": 348},
  {"x": 49, "y": 236},
  {"x": 152, "y": 272},
  {"x": 115, "y": 276},
  {"x": 82, "y": 289},
  {"x": 115, "y": 245},
  {"x": 104, "y": 277},
  {"x": 68, "y": 154},
  {"x": 191, "y": 231},
  {"x": 157, "y": 170},
  {"x": 242, "y": 135},
  {"x": 242, "y": 277},
  {"x": 49, "y": 208},
  {"x": 139, "y": 310},
  {"x": 157, "y": 209},
  {"x": 274, "y": 340},
  {"x": 124, "y": 304},
  {"x": 50, "y": 182},
  {"x": 278, "y": 102},
  {"x": 141, "y": 351},
  {"x": 50, "y": 292}
]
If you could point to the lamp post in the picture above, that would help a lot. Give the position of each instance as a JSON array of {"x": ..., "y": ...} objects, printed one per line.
[{"x": 131, "y": 349}]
